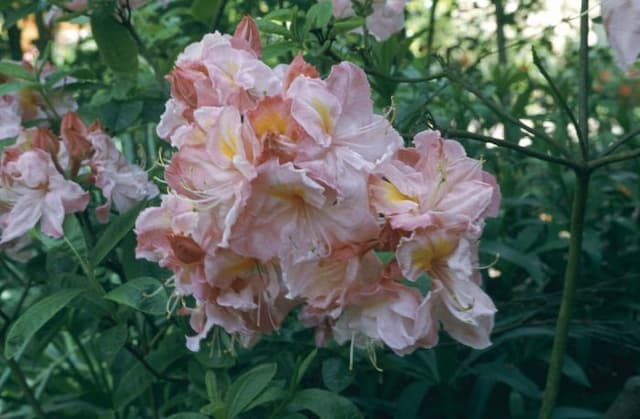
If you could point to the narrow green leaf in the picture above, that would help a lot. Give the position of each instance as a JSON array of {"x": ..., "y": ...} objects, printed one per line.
[
  {"x": 21, "y": 332},
  {"x": 324, "y": 404},
  {"x": 510, "y": 376},
  {"x": 16, "y": 86},
  {"x": 247, "y": 387},
  {"x": 115, "y": 231},
  {"x": 304, "y": 365},
  {"x": 188, "y": 415},
  {"x": 144, "y": 294},
  {"x": 211, "y": 385},
  {"x": 348, "y": 24},
  {"x": 270, "y": 394},
  {"x": 410, "y": 398},
  {"x": 117, "y": 47},
  {"x": 268, "y": 26}
]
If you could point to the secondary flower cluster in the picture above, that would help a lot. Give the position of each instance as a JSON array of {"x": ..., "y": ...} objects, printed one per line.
[
  {"x": 36, "y": 173},
  {"x": 28, "y": 105},
  {"x": 284, "y": 190},
  {"x": 386, "y": 18}
]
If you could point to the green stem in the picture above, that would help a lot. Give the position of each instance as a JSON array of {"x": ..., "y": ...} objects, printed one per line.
[
  {"x": 500, "y": 39},
  {"x": 568, "y": 294},
  {"x": 18, "y": 375},
  {"x": 628, "y": 136},
  {"x": 583, "y": 92}
]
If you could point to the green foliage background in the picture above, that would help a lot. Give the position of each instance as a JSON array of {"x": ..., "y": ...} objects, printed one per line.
[{"x": 83, "y": 324}]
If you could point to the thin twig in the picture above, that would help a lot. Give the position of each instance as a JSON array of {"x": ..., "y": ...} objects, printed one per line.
[
  {"x": 133, "y": 351},
  {"x": 556, "y": 92},
  {"x": 401, "y": 79},
  {"x": 603, "y": 161},
  {"x": 628, "y": 136},
  {"x": 498, "y": 109},
  {"x": 503, "y": 143}
]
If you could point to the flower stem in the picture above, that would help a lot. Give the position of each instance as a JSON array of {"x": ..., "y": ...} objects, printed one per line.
[{"x": 568, "y": 293}]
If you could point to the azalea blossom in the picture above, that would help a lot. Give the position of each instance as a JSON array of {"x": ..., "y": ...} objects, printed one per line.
[
  {"x": 386, "y": 19},
  {"x": 32, "y": 190},
  {"x": 283, "y": 188}
]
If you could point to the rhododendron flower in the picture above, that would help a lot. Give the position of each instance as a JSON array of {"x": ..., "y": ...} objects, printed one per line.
[
  {"x": 283, "y": 187},
  {"x": 465, "y": 311},
  {"x": 620, "y": 18},
  {"x": 122, "y": 183},
  {"x": 434, "y": 185},
  {"x": 288, "y": 213},
  {"x": 10, "y": 119},
  {"x": 388, "y": 312},
  {"x": 32, "y": 190},
  {"x": 387, "y": 17},
  {"x": 27, "y": 105}
]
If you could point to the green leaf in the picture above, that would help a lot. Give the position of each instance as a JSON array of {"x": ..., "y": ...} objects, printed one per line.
[
  {"x": 277, "y": 49},
  {"x": 318, "y": 16},
  {"x": 247, "y": 387},
  {"x": 410, "y": 398},
  {"x": 117, "y": 47},
  {"x": 348, "y": 24},
  {"x": 565, "y": 412},
  {"x": 271, "y": 394},
  {"x": 16, "y": 86},
  {"x": 115, "y": 231},
  {"x": 144, "y": 294},
  {"x": 304, "y": 365},
  {"x": 21, "y": 332},
  {"x": 206, "y": 11},
  {"x": 510, "y": 376},
  {"x": 10, "y": 18},
  {"x": 110, "y": 342},
  {"x": 120, "y": 115},
  {"x": 188, "y": 415},
  {"x": 267, "y": 26},
  {"x": 212, "y": 386},
  {"x": 335, "y": 374},
  {"x": 324, "y": 404},
  {"x": 138, "y": 378}
]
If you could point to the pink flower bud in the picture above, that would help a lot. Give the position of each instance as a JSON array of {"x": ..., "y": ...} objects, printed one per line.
[
  {"x": 46, "y": 140},
  {"x": 74, "y": 133},
  {"x": 299, "y": 67},
  {"x": 247, "y": 30},
  {"x": 183, "y": 85}
]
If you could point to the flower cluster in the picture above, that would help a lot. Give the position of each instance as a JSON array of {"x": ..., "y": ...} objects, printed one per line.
[
  {"x": 28, "y": 105},
  {"x": 386, "y": 18},
  {"x": 283, "y": 192},
  {"x": 36, "y": 178}
]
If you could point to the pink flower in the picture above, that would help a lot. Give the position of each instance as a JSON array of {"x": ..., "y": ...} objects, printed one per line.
[
  {"x": 10, "y": 119},
  {"x": 247, "y": 36},
  {"x": 465, "y": 311},
  {"x": 122, "y": 183},
  {"x": 435, "y": 185},
  {"x": 387, "y": 17},
  {"x": 246, "y": 299},
  {"x": 289, "y": 213},
  {"x": 620, "y": 18},
  {"x": 338, "y": 115},
  {"x": 33, "y": 190},
  {"x": 387, "y": 312}
]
